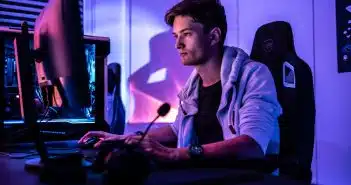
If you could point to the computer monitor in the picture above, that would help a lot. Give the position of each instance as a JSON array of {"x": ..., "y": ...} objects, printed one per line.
[
  {"x": 60, "y": 56},
  {"x": 60, "y": 61},
  {"x": 54, "y": 127}
]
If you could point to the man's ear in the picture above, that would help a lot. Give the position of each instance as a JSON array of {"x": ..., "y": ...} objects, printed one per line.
[{"x": 215, "y": 36}]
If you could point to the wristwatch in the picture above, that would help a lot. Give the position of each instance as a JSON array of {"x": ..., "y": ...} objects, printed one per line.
[
  {"x": 196, "y": 151},
  {"x": 139, "y": 133}
]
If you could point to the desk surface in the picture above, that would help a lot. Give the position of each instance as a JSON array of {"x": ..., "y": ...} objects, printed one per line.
[
  {"x": 12, "y": 173},
  {"x": 217, "y": 177}
]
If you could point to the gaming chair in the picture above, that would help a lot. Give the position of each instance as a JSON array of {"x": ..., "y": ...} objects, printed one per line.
[
  {"x": 114, "y": 88},
  {"x": 274, "y": 46}
]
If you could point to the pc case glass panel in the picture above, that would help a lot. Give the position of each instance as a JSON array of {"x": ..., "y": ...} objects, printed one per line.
[{"x": 12, "y": 101}]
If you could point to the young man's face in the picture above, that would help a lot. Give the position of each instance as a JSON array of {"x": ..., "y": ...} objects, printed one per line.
[{"x": 191, "y": 41}]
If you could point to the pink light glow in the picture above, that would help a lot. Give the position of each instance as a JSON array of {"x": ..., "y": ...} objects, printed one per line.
[{"x": 146, "y": 108}]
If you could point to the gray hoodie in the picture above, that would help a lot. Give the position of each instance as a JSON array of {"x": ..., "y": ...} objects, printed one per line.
[{"x": 248, "y": 103}]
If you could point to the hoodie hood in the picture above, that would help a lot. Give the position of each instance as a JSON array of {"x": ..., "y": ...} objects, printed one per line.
[{"x": 232, "y": 61}]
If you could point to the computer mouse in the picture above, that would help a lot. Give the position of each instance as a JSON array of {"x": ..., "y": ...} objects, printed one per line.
[{"x": 89, "y": 143}]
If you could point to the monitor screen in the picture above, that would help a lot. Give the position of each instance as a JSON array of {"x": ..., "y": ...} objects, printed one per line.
[{"x": 46, "y": 114}]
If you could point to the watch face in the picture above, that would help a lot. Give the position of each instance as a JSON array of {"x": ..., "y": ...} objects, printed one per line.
[{"x": 196, "y": 150}]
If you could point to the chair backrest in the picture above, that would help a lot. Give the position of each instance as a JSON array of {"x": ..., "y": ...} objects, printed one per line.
[
  {"x": 274, "y": 46},
  {"x": 117, "y": 124},
  {"x": 113, "y": 77}
]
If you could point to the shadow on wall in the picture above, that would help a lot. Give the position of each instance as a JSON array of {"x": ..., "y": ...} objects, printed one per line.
[{"x": 159, "y": 81}]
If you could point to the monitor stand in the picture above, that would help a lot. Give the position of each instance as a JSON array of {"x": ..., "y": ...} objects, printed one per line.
[
  {"x": 63, "y": 168},
  {"x": 35, "y": 164}
]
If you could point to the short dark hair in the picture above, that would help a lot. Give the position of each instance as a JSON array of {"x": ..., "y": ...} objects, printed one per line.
[{"x": 210, "y": 13}]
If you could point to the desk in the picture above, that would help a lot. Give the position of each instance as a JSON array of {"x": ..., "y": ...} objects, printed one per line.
[
  {"x": 12, "y": 173},
  {"x": 210, "y": 177}
]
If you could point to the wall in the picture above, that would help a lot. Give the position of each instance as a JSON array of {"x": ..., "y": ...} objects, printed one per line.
[
  {"x": 155, "y": 66},
  {"x": 156, "y": 72},
  {"x": 298, "y": 13},
  {"x": 110, "y": 18},
  {"x": 141, "y": 42},
  {"x": 333, "y": 101}
]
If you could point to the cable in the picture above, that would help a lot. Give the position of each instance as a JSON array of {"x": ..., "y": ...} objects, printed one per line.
[
  {"x": 55, "y": 99},
  {"x": 39, "y": 95},
  {"x": 23, "y": 155},
  {"x": 52, "y": 150},
  {"x": 53, "y": 110},
  {"x": 4, "y": 154},
  {"x": 21, "y": 131}
]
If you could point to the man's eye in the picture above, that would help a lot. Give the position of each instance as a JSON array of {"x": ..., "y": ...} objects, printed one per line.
[{"x": 187, "y": 34}]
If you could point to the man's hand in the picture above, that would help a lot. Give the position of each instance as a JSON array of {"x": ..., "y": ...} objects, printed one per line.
[
  {"x": 153, "y": 148},
  {"x": 103, "y": 136}
]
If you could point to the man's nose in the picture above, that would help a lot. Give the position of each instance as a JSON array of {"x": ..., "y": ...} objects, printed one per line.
[{"x": 179, "y": 43}]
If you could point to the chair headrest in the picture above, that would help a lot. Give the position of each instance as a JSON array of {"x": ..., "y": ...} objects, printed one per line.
[{"x": 273, "y": 42}]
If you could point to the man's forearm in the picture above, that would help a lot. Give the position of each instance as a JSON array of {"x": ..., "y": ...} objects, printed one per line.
[
  {"x": 164, "y": 134},
  {"x": 242, "y": 147}
]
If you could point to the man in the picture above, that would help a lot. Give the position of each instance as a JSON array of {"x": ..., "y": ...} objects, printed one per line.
[{"x": 228, "y": 108}]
